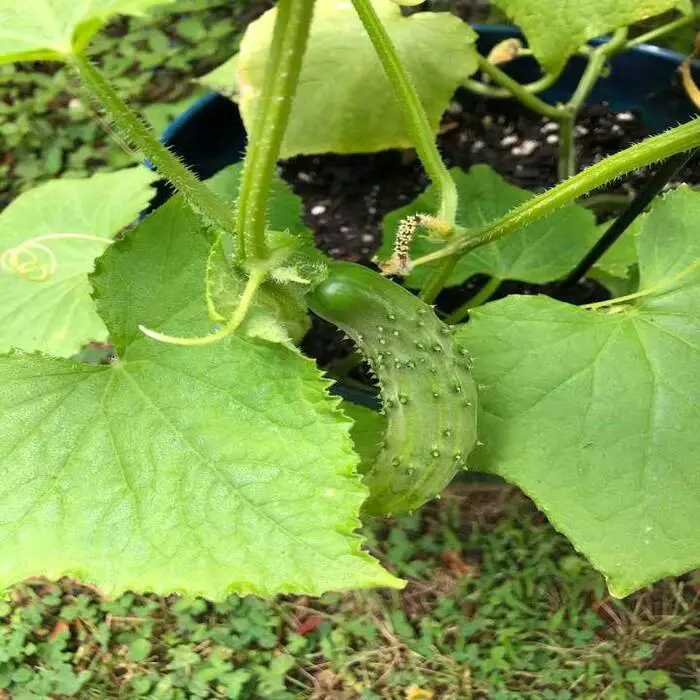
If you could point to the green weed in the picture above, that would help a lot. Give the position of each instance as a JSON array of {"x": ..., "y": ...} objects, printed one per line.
[
  {"x": 498, "y": 606},
  {"x": 46, "y": 128}
]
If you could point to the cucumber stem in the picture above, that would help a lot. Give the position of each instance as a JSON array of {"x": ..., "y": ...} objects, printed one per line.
[
  {"x": 136, "y": 131},
  {"x": 419, "y": 128},
  {"x": 597, "y": 61},
  {"x": 290, "y": 37},
  {"x": 481, "y": 297},
  {"x": 520, "y": 92},
  {"x": 681, "y": 138}
]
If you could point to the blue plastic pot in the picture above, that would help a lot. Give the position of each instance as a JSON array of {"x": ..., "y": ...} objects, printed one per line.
[
  {"x": 210, "y": 134},
  {"x": 644, "y": 79}
]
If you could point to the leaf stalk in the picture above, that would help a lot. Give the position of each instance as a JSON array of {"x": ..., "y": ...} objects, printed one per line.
[
  {"x": 419, "y": 128},
  {"x": 677, "y": 140},
  {"x": 206, "y": 203},
  {"x": 289, "y": 41}
]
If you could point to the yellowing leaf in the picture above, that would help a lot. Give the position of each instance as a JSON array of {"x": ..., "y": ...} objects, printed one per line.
[{"x": 345, "y": 103}]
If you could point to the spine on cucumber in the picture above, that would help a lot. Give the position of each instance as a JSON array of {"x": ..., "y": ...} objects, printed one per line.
[{"x": 427, "y": 391}]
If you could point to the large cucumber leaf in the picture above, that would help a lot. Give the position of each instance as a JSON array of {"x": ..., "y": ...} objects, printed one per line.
[
  {"x": 555, "y": 30},
  {"x": 49, "y": 239},
  {"x": 52, "y": 30},
  {"x": 594, "y": 413},
  {"x": 222, "y": 468}
]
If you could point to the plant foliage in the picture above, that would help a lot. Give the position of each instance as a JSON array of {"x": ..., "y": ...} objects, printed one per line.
[
  {"x": 592, "y": 412},
  {"x": 49, "y": 239},
  {"x": 203, "y": 453},
  {"x": 345, "y": 103},
  {"x": 38, "y": 30},
  {"x": 188, "y": 497},
  {"x": 556, "y": 30}
]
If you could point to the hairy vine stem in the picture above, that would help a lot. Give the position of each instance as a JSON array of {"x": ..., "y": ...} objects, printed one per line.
[
  {"x": 416, "y": 119},
  {"x": 289, "y": 40},
  {"x": 419, "y": 129},
  {"x": 564, "y": 114},
  {"x": 437, "y": 281},
  {"x": 596, "y": 64},
  {"x": 656, "y": 148},
  {"x": 136, "y": 131}
]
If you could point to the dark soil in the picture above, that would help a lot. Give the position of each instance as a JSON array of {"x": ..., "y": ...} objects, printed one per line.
[{"x": 347, "y": 197}]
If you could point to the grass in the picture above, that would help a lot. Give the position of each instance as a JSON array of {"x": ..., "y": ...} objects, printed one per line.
[
  {"x": 499, "y": 605},
  {"x": 46, "y": 129}
]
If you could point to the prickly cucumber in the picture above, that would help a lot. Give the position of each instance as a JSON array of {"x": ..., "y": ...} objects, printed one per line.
[{"x": 427, "y": 390}]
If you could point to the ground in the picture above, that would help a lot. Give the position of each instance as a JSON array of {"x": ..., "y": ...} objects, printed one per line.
[{"x": 498, "y": 606}]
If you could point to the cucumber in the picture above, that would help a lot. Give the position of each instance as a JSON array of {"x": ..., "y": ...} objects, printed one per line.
[{"x": 427, "y": 390}]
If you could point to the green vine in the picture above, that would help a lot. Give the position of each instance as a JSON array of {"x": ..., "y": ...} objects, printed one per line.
[
  {"x": 494, "y": 93},
  {"x": 256, "y": 279},
  {"x": 289, "y": 41},
  {"x": 656, "y": 148},
  {"x": 481, "y": 297},
  {"x": 204, "y": 201},
  {"x": 564, "y": 114},
  {"x": 596, "y": 64},
  {"x": 520, "y": 92},
  {"x": 419, "y": 128},
  {"x": 417, "y": 122}
]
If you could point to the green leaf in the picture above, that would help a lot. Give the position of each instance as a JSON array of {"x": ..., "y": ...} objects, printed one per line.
[
  {"x": 594, "y": 413},
  {"x": 541, "y": 252},
  {"x": 139, "y": 650},
  {"x": 345, "y": 103},
  {"x": 278, "y": 313},
  {"x": 617, "y": 270},
  {"x": 622, "y": 255},
  {"x": 367, "y": 432},
  {"x": 555, "y": 30},
  {"x": 205, "y": 470},
  {"x": 284, "y": 211},
  {"x": 617, "y": 286},
  {"x": 49, "y": 239},
  {"x": 52, "y": 30}
]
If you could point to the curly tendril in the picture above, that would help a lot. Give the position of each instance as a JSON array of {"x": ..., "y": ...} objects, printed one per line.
[
  {"x": 33, "y": 261},
  {"x": 257, "y": 277}
]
